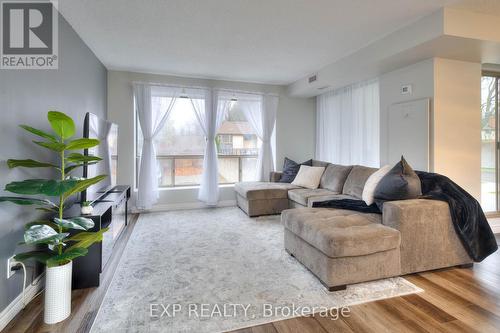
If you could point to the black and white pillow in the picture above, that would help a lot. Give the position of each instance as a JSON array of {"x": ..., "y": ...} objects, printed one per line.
[{"x": 290, "y": 169}]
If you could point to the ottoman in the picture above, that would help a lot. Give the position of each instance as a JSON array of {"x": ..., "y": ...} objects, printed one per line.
[
  {"x": 342, "y": 247},
  {"x": 262, "y": 198}
]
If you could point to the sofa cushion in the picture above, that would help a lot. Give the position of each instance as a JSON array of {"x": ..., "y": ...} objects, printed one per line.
[
  {"x": 305, "y": 196},
  {"x": 308, "y": 176},
  {"x": 334, "y": 177},
  {"x": 355, "y": 182},
  {"x": 290, "y": 170},
  {"x": 371, "y": 184},
  {"x": 263, "y": 190},
  {"x": 341, "y": 233}
]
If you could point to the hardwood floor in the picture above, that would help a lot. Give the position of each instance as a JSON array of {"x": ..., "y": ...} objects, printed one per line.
[
  {"x": 455, "y": 300},
  {"x": 84, "y": 304}
]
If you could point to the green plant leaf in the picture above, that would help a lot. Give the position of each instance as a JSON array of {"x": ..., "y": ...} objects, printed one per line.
[
  {"x": 82, "y": 144},
  {"x": 39, "y": 133},
  {"x": 75, "y": 166},
  {"x": 80, "y": 158},
  {"x": 47, "y": 223},
  {"x": 86, "y": 239},
  {"x": 43, "y": 234},
  {"x": 28, "y": 201},
  {"x": 55, "y": 146},
  {"x": 38, "y": 232},
  {"x": 48, "y": 187},
  {"x": 39, "y": 256},
  {"x": 66, "y": 256},
  {"x": 78, "y": 223},
  {"x": 61, "y": 124},
  {"x": 11, "y": 163},
  {"x": 48, "y": 210},
  {"x": 83, "y": 184}
]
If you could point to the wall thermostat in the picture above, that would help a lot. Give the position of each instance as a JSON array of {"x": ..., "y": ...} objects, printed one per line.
[{"x": 406, "y": 89}]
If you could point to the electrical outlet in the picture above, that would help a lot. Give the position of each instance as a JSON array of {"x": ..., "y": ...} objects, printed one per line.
[{"x": 11, "y": 262}]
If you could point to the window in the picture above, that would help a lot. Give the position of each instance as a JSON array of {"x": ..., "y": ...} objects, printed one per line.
[
  {"x": 113, "y": 148},
  {"x": 180, "y": 146},
  {"x": 489, "y": 142},
  {"x": 237, "y": 147}
]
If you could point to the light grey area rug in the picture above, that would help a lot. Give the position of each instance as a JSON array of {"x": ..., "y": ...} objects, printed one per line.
[{"x": 214, "y": 270}]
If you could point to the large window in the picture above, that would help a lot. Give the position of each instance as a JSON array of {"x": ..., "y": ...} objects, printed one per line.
[
  {"x": 489, "y": 143},
  {"x": 180, "y": 146}
]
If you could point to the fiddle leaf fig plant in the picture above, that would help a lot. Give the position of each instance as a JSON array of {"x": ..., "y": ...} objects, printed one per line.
[{"x": 54, "y": 233}]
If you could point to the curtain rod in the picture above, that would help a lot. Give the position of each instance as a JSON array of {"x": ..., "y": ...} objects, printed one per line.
[{"x": 204, "y": 87}]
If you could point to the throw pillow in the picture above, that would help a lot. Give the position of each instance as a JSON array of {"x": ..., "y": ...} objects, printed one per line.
[
  {"x": 334, "y": 177},
  {"x": 308, "y": 177},
  {"x": 290, "y": 170},
  {"x": 371, "y": 184},
  {"x": 400, "y": 183}
]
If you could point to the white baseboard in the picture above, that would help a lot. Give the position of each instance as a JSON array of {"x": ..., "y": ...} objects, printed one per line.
[
  {"x": 184, "y": 206},
  {"x": 17, "y": 304}
]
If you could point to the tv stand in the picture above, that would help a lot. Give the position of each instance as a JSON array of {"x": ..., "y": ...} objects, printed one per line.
[{"x": 110, "y": 211}]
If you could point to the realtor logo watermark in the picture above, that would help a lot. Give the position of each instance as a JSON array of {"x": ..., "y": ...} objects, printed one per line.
[{"x": 29, "y": 35}]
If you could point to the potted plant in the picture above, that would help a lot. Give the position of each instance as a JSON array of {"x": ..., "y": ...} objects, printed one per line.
[
  {"x": 59, "y": 245},
  {"x": 87, "y": 208}
]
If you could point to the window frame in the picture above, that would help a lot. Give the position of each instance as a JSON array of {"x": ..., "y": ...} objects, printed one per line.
[
  {"x": 174, "y": 157},
  {"x": 496, "y": 76}
]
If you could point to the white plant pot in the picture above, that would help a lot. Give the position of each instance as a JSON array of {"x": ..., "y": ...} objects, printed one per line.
[
  {"x": 87, "y": 210},
  {"x": 57, "y": 293}
]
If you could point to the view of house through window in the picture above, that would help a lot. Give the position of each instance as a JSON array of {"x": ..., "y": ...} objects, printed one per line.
[
  {"x": 489, "y": 139},
  {"x": 180, "y": 146}
]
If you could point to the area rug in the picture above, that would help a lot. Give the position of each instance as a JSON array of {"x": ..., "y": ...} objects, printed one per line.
[{"x": 216, "y": 270}]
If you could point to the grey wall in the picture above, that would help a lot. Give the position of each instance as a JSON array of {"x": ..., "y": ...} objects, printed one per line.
[
  {"x": 77, "y": 87},
  {"x": 295, "y": 128},
  {"x": 420, "y": 76},
  {"x": 454, "y": 90}
]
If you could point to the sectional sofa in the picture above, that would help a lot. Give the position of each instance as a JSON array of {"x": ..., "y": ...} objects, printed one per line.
[{"x": 343, "y": 247}]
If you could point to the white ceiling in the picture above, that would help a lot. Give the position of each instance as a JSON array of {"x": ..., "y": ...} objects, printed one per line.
[{"x": 267, "y": 41}]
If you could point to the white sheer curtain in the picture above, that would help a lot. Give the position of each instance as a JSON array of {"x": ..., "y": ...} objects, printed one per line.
[
  {"x": 100, "y": 129},
  {"x": 210, "y": 112},
  {"x": 152, "y": 117},
  {"x": 348, "y": 125},
  {"x": 260, "y": 112}
]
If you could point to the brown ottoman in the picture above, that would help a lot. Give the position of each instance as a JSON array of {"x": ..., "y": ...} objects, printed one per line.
[{"x": 342, "y": 247}]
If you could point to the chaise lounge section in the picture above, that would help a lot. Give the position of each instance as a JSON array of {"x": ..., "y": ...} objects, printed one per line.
[{"x": 343, "y": 247}]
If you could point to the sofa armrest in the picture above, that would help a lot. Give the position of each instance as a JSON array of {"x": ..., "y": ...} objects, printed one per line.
[
  {"x": 275, "y": 176},
  {"x": 428, "y": 237}
]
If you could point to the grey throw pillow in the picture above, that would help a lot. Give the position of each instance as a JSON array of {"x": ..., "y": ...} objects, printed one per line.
[
  {"x": 290, "y": 170},
  {"x": 400, "y": 183},
  {"x": 334, "y": 177}
]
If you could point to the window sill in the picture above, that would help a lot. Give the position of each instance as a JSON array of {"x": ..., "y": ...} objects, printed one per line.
[{"x": 188, "y": 187}]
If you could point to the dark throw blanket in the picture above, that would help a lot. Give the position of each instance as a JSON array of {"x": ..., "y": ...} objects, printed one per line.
[
  {"x": 468, "y": 218},
  {"x": 349, "y": 204}
]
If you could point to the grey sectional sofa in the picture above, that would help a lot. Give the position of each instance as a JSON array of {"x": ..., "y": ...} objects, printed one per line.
[{"x": 343, "y": 247}]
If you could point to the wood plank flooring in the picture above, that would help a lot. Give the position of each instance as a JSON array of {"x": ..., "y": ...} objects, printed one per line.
[
  {"x": 84, "y": 304},
  {"x": 455, "y": 300}
]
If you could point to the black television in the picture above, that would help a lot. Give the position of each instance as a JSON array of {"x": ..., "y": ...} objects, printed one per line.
[{"x": 107, "y": 132}]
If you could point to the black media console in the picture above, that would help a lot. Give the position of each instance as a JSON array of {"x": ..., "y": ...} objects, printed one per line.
[{"x": 110, "y": 211}]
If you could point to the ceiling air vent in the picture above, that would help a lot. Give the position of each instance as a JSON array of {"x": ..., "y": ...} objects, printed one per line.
[
  {"x": 323, "y": 87},
  {"x": 312, "y": 78}
]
